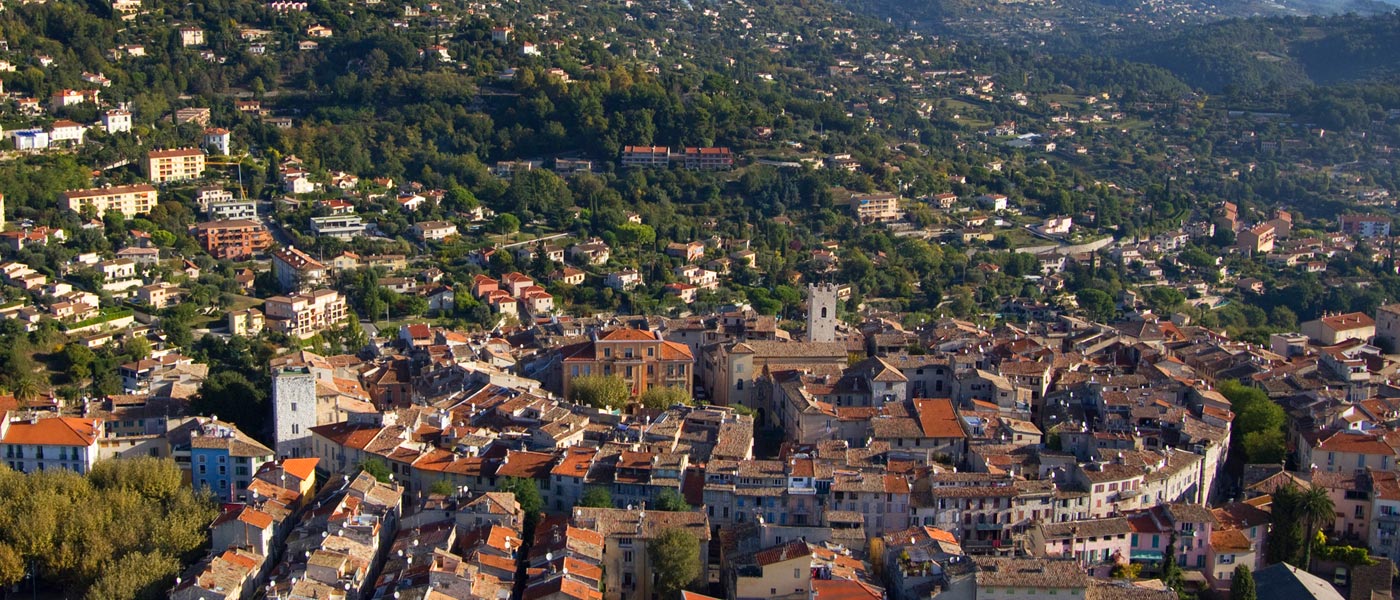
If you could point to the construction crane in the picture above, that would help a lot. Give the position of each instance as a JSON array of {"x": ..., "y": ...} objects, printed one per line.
[{"x": 225, "y": 161}]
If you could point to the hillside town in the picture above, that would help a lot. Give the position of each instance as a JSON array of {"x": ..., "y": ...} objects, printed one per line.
[{"x": 605, "y": 311}]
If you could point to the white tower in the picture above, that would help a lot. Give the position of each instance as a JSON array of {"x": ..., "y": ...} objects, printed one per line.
[
  {"x": 821, "y": 313},
  {"x": 294, "y": 410}
]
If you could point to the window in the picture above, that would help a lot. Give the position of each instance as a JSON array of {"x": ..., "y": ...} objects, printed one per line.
[
  {"x": 294, "y": 407},
  {"x": 1227, "y": 559},
  {"x": 296, "y": 429},
  {"x": 1360, "y": 511},
  {"x": 627, "y": 556}
]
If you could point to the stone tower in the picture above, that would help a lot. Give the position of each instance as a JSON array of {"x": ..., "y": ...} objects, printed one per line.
[
  {"x": 294, "y": 410},
  {"x": 821, "y": 312}
]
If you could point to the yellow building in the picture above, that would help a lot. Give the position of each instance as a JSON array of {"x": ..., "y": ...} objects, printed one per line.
[
  {"x": 245, "y": 322},
  {"x": 180, "y": 164},
  {"x": 129, "y": 200}
]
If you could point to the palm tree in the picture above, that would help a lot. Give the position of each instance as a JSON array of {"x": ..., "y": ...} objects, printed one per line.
[
  {"x": 1316, "y": 509},
  {"x": 26, "y": 389}
]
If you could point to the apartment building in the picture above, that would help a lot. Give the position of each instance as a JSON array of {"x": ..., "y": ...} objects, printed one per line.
[
  {"x": 693, "y": 158},
  {"x": 646, "y": 156},
  {"x": 296, "y": 270},
  {"x": 181, "y": 164},
  {"x": 876, "y": 208},
  {"x": 129, "y": 200},
  {"x": 301, "y": 315},
  {"x": 1366, "y": 226},
  {"x": 233, "y": 209},
  {"x": 1258, "y": 239},
  {"x": 341, "y": 227},
  {"x": 708, "y": 159},
  {"x": 49, "y": 443},
  {"x": 233, "y": 239}
]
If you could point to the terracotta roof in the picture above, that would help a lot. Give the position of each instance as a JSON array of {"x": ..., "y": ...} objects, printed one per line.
[
  {"x": 526, "y": 465},
  {"x": 675, "y": 351},
  {"x": 53, "y": 431},
  {"x": 627, "y": 334},
  {"x": 1229, "y": 539},
  {"x": 301, "y": 468},
  {"x": 1030, "y": 572},
  {"x": 575, "y": 462},
  {"x": 1356, "y": 443},
  {"x": 563, "y": 585},
  {"x": 782, "y": 553},
  {"x": 844, "y": 589},
  {"x": 938, "y": 419},
  {"x": 1348, "y": 321},
  {"x": 1238, "y": 515},
  {"x": 106, "y": 191}
]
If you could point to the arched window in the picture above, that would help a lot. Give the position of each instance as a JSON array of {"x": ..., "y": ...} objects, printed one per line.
[{"x": 823, "y": 312}]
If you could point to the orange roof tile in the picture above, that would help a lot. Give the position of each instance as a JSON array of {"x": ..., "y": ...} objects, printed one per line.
[
  {"x": 844, "y": 589},
  {"x": 1229, "y": 539},
  {"x": 627, "y": 334},
  {"x": 301, "y": 468},
  {"x": 783, "y": 553},
  {"x": 53, "y": 431},
  {"x": 938, "y": 419}
]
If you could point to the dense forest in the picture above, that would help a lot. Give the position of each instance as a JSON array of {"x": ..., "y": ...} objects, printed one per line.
[{"x": 1254, "y": 55}]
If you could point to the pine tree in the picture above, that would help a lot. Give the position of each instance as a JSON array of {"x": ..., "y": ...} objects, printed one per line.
[
  {"x": 1242, "y": 586},
  {"x": 1171, "y": 573}
]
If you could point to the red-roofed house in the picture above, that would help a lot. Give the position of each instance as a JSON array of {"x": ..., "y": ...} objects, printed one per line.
[
  {"x": 52, "y": 443},
  {"x": 1345, "y": 451},
  {"x": 1335, "y": 329},
  {"x": 515, "y": 283},
  {"x": 417, "y": 335}
]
